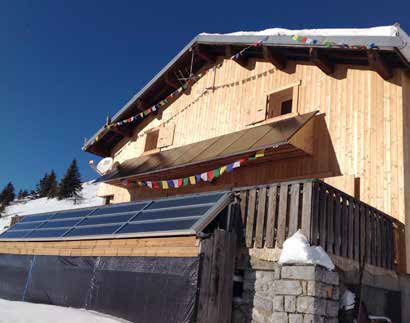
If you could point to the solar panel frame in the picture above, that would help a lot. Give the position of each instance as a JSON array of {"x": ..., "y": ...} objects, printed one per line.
[{"x": 201, "y": 220}]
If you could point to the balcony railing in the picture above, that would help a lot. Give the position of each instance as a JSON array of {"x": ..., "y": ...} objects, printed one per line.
[{"x": 341, "y": 224}]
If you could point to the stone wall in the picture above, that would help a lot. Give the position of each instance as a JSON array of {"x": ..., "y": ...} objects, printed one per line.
[{"x": 288, "y": 294}]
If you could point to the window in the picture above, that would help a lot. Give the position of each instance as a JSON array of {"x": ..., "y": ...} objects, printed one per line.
[
  {"x": 281, "y": 103},
  {"x": 151, "y": 140},
  {"x": 108, "y": 199}
]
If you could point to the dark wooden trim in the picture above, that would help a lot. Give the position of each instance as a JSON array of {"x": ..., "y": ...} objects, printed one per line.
[
  {"x": 275, "y": 57},
  {"x": 322, "y": 61},
  {"x": 379, "y": 65},
  {"x": 210, "y": 59}
]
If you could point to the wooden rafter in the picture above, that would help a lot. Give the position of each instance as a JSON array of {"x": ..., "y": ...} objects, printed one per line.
[
  {"x": 125, "y": 132},
  {"x": 276, "y": 58},
  {"x": 169, "y": 82},
  {"x": 379, "y": 65},
  {"x": 321, "y": 61},
  {"x": 211, "y": 59}
]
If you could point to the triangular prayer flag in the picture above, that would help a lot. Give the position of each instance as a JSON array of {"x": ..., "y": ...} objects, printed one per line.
[
  {"x": 223, "y": 169},
  {"x": 204, "y": 176},
  {"x": 210, "y": 175},
  {"x": 260, "y": 153},
  {"x": 237, "y": 164},
  {"x": 186, "y": 181},
  {"x": 165, "y": 185},
  {"x": 192, "y": 180}
]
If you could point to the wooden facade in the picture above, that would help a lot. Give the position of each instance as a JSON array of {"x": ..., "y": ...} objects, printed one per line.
[{"x": 360, "y": 134}]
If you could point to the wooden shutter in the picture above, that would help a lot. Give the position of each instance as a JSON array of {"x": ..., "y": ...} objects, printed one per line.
[
  {"x": 166, "y": 136},
  {"x": 256, "y": 111}
]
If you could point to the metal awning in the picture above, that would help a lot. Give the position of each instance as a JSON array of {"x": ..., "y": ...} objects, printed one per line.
[
  {"x": 282, "y": 139},
  {"x": 184, "y": 215}
]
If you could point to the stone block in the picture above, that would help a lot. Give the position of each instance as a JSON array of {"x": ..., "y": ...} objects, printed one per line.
[
  {"x": 258, "y": 317},
  {"x": 290, "y": 304},
  {"x": 279, "y": 317},
  {"x": 299, "y": 272},
  {"x": 311, "y": 305},
  {"x": 328, "y": 277},
  {"x": 309, "y": 318},
  {"x": 332, "y": 308},
  {"x": 263, "y": 305},
  {"x": 287, "y": 287},
  {"x": 319, "y": 289},
  {"x": 278, "y": 303},
  {"x": 295, "y": 318}
]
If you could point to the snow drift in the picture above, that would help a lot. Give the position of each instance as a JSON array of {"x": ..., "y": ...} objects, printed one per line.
[
  {"x": 22, "y": 312},
  {"x": 297, "y": 250}
]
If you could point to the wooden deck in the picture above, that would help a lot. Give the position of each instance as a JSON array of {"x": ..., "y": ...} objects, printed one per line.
[{"x": 341, "y": 224}]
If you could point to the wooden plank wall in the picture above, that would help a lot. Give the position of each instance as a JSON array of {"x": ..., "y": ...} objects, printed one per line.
[
  {"x": 148, "y": 247},
  {"x": 216, "y": 277},
  {"x": 361, "y": 122}
]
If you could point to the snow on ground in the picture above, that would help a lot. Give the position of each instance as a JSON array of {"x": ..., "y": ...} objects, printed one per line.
[
  {"x": 41, "y": 205},
  {"x": 374, "y": 31},
  {"x": 297, "y": 250},
  {"x": 23, "y": 312}
]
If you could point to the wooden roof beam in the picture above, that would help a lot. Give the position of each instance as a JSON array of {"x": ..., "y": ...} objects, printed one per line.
[
  {"x": 379, "y": 65},
  {"x": 169, "y": 82},
  {"x": 277, "y": 59},
  {"x": 125, "y": 132},
  {"x": 210, "y": 59},
  {"x": 321, "y": 61}
]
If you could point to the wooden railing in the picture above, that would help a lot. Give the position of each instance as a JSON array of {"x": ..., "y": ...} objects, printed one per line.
[{"x": 341, "y": 224}]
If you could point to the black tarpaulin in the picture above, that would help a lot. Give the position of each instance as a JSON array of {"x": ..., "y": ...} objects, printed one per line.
[{"x": 138, "y": 289}]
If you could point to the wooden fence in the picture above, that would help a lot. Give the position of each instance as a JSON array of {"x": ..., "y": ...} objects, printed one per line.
[{"x": 328, "y": 217}]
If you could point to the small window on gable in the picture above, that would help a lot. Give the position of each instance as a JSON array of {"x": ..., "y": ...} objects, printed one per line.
[
  {"x": 109, "y": 199},
  {"x": 281, "y": 103},
  {"x": 151, "y": 141}
]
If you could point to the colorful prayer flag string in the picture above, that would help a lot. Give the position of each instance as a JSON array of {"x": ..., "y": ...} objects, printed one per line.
[
  {"x": 257, "y": 44},
  {"x": 329, "y": 44},
  {"x": 208, "y": 176}
]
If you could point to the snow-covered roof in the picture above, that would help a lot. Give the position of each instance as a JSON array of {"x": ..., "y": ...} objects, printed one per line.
[{"x": 386, "y": 38}]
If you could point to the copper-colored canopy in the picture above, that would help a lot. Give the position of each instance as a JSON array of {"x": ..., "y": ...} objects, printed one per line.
[{"x": 222, "y": 148}]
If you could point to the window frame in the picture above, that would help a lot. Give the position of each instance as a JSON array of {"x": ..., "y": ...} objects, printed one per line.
[{"x": 295, "y": 102}]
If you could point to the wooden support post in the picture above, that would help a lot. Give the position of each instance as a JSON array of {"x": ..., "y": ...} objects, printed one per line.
[
  {"x": 277, "y": 59},
  {"x": 321, "y": 61},
  {"x": 379, "y": 65}
]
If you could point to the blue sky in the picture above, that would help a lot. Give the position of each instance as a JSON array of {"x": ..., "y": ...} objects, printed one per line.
[{"x": 65, "y": 65}]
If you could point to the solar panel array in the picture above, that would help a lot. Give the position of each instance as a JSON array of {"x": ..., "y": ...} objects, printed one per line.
[{"x": 164, "y": 215}]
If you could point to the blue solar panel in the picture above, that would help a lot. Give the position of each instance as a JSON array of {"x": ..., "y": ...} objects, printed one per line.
[
  {"x": 106, "y": 219},
  {"x": 41, "y": 217},
  {"x": 73, "y": 214},
  {"x": 172, "y": 213},
  {"x": 157, "y": 226},
  {"x": 60, "y": 224},
  {"x": 88, "y": 231},
  {"x": 120, "y": 209},
  {"x": 25, "y": 226},
  {"x": 14, "y": 234},
  {"x": 168, "y": 214},
  {"x": 51, "y": 233}
]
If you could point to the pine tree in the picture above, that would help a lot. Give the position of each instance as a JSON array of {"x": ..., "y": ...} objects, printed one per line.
[
  {"x": 7, "y": 195},
  {"x": 52, "y": 186},
  {"x": 70, "y": 184},
  {"x": 42, "y": 186},
  {"x": 20, "y": 195},
  {"x": 24, "y": 194}
]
